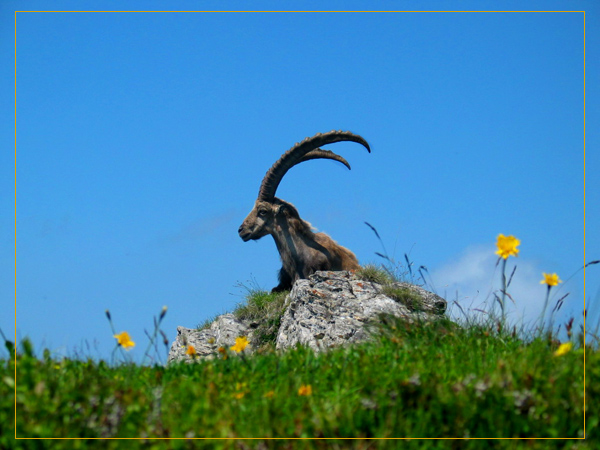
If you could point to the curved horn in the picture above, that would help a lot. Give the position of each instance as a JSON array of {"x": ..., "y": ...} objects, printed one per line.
[
  {"x": 304, "y": 151},
  {"x": 324, "y": 154}
]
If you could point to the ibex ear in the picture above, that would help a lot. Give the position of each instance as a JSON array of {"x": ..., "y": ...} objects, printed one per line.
[
  {"x": 278, "y": 209},
  {"x": 288, "y": 211},
  {"x": 283, "y": 210}
]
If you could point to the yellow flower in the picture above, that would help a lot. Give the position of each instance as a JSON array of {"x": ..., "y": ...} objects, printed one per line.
[
  {"x": 269, "y": 394},
  {"x": 563, "y": 349},
  {"x": 240, "y": 344},
  {"x": 223, "y": 352},
  {"x": 191, "y": 351},
  {"x": 305, "y": 389},
  {"x": 507, "y": 246},
  {"x": 124, "y": 340},
  {"x": 242, "y": 390},
  {"x": 551, "y": 279}
]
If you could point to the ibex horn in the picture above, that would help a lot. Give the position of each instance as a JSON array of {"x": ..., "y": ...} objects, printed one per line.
[{"x": 306, "y": 150}]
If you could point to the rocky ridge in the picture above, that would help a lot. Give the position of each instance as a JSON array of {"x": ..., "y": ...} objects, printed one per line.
[{"x": 326, "y": 310}]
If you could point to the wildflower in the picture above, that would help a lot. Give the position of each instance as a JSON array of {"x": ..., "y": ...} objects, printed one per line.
[
  {"x": 223, "y": 352},
  {"x": 563, "y": 349},
  {"x": 124, "y": 340},
  {"x": 240, "y": 344},
  {"x": 269, "y": 394},
  {"x": 305, "y": 390},
  {"x": 241, "y": 390},
  {"x": 550, "y": 279},
  {"x": 191, "y": 351},
  {"x": 507, "y": 246}
]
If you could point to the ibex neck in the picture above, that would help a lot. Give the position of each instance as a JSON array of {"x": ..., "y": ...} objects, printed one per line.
[{"x": 290, "y": 238}]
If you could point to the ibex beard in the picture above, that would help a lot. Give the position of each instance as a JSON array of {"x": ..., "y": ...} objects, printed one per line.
[{"x": 302, "y": 251}]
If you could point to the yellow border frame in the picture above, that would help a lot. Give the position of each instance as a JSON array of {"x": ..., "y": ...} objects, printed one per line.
[{"x": 277, "y": 11}]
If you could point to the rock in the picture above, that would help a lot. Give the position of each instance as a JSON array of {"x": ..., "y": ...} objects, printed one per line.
[
  {"x": 326, "y": 310},
  {"x": 221, "y": 333},
  {"x": 334, "y": 308}
]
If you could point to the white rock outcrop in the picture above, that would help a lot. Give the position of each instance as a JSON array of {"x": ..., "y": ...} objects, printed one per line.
[
  {"x": 332, "y": 308},
  {"x": 326, "y": 310}
]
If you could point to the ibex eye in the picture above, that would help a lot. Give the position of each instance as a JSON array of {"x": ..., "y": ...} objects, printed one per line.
[{"x": 262, "y": 212}]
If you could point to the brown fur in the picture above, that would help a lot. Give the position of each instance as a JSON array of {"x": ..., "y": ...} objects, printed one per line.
[{"x": 302, "y": 252}]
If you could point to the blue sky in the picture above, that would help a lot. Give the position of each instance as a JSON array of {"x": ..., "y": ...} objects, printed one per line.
[{"x": 142, "y": 138}]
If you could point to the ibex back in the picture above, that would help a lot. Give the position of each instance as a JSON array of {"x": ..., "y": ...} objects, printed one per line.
[{"x": 302, "y": 252}]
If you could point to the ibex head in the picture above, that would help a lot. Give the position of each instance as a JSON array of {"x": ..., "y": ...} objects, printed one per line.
[{"x": 262, "y": 220}]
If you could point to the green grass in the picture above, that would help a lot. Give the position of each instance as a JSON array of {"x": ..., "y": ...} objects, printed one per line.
[
  {"x": 424, "y": 380},
  {"x": 405, "y": 296},
  {"x": 265, "y": 309},
  {"x": 430, "y": 379},
  {"x": 388, "y": 281},
  {"x": 375, "y": 274}
]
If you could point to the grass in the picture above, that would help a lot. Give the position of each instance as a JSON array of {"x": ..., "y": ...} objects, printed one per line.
[
  {"x": 430, "y": 381},
  {"x": 264, "y": 310},
  {"x": 424, "y": 380},
  {"x": 375, "y": 274},
  {"x": 405, "y": 296},
  {"x": 391, "y": 288}
]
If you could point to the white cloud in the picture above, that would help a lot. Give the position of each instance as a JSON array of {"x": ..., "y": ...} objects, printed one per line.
[{"x": 472, "y": 279}]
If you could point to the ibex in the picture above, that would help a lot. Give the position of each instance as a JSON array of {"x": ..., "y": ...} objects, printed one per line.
[{"x": 302, "y": 252}]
